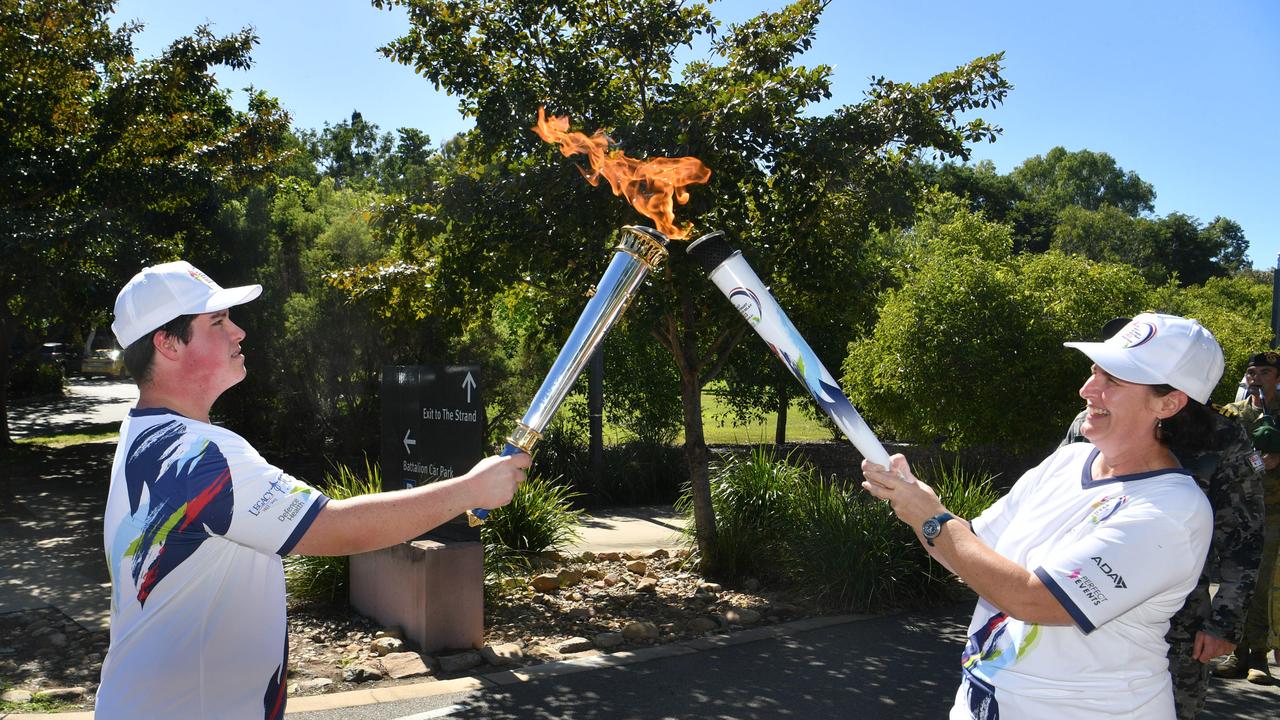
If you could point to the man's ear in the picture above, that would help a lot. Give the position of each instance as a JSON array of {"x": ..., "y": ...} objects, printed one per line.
[{"x": 165, "y": 344}]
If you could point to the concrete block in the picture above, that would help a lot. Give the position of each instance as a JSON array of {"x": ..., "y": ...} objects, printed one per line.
[{"x": 432, "y": 589}]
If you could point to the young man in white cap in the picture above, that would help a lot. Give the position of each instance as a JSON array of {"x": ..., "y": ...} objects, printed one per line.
[
  {"x": 1079, "y": 568},
  {"x": 197, "y": 521}
]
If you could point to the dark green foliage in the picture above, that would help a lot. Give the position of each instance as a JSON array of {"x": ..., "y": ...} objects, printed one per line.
[
  {"x": 780, "y": 521},
  {"x": 107, "y": 161},
  {"x": 636, "y": 472},
  {"x": 754, "y": 497},
  {"x": 969, "y": 350},
  {"x": 540, "y": 518},
  {"x": 323, "y": 578}
]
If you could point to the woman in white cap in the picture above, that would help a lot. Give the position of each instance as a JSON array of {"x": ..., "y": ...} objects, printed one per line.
[{"x": 1080, "y": 566}]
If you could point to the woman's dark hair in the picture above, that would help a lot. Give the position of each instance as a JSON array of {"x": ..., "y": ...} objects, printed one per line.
[
  {"x": 1188, "y": 430},
  {"x": 141, "y": 352}
]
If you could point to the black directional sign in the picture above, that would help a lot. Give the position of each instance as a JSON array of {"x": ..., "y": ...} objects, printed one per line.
[{"x": 432, "y": 423}]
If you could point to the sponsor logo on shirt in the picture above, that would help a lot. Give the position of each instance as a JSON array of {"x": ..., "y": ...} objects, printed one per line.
[
  {"x": 1087, "y": 586},
  {"x": 1116, "y": 577},
  {"x": 292, "y": 509},
  {"x": 269, "y": 498},
  {"x": 1105, "y": 507}
]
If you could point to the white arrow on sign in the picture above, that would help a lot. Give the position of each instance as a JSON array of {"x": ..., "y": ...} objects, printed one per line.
[
  {"x": 468, "y": 383},
  {"x": 407, "y": 441}
]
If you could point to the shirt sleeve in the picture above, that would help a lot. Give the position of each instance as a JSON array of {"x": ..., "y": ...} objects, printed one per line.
[
  {"x": 272, "y": 509},
  {"x": 1133, "y": 556}
]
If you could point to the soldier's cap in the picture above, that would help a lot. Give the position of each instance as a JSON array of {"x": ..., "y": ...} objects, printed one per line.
[
  {"x": 1155, "y": 349},
  {"x": 1266, "y": 437},
  {"x": 1265, "y": 359}
]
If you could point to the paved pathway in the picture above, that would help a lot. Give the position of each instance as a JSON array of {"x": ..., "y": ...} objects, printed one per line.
[{"x": 89, "y": 404}]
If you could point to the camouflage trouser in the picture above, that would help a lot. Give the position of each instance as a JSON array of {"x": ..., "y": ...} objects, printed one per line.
[{"x": 1190, "y": 676}]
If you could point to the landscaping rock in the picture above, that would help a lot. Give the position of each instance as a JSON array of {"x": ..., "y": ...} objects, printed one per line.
[
  {"x": 637, "y": 631},
  {"x": 459, "y": 662},
  {"x": 574, "y": 645},
  {"x": 504, "y": 654},
  {"x": 387, "y": 645},
  {"x": 362, "y": 672},
  {"x": 546, "y": 583},
  {"x": 404, "y": 664},
  {"x": 607, "y": 640}
]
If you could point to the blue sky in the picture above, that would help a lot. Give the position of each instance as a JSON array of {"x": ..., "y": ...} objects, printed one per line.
[{"x": 1184, "y": 93}]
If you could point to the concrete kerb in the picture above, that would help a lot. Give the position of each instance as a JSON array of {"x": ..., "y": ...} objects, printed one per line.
[{"x": 354, "y": 698}]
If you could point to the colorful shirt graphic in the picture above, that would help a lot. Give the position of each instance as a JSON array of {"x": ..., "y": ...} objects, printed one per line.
[
  {"x": 1120, "y": 555},
  {"x": 195, "y": 525}
]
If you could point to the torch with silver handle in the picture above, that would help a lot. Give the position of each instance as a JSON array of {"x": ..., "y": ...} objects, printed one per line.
[
  {"x": 733, "y": 275},
  {"x": 640, "y": 250}
]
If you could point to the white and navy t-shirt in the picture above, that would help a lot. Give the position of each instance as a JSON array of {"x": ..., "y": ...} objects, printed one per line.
[
  {"x": 1120, "y": 554},
  {"x": 195, "y": 527}
]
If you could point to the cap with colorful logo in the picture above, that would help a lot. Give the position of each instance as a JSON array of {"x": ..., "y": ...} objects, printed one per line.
[
  {"x": 167, "y": 291},
  {"x": 1155, "y": 349}
]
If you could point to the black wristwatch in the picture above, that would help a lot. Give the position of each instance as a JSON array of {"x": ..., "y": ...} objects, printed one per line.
[{"x": 932, "y": 527}]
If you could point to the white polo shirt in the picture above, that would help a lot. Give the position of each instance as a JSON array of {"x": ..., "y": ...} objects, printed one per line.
[
  {"x": 195, "y": 526},
  {"x": 1120, "y": 554}
]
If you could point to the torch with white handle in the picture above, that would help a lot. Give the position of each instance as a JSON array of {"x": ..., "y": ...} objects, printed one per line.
[
  {"x": 733, "y": 275},
  {"x": 640, "y": 250}
]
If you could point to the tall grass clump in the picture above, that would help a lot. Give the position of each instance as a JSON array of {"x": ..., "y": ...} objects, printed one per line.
[
  {"x": 317, "y": 578},
  {"x": 830, "y": 539},
  {"x": 540, "y": 517},
  {"x": 753, "y": 497}
]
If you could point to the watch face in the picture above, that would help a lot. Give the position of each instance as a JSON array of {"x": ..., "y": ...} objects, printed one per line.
[{"x": 931, "y": 528}]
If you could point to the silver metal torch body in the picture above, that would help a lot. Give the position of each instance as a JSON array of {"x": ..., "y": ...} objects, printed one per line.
[{"x": 639, "y": 251}]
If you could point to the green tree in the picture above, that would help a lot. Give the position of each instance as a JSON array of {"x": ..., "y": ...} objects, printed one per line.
[
  {"x": 1237, "y": 310},
  {"x": 968, "y": 350},
  {"x": 1085, "y": 179},
  {"x": 106, "y": 161},
  {"x": 519, "y": 212}
]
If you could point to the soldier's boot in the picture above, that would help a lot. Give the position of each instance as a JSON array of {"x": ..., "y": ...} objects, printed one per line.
[
  {"x": 1234, "y": 667},
  {"x": 1259, "y": 673}
]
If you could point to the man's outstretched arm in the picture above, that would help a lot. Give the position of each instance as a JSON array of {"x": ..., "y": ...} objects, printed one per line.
[{"x": 370, "y": 522}]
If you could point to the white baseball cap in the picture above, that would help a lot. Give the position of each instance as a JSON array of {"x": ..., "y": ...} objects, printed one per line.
[
  {"x": 170, "y": 290},
  {"x": 1156, "y": 349}
]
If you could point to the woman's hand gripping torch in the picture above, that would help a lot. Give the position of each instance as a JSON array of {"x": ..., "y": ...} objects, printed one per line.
[
  {"x": 733, "y": 275},
  {"x": 640, "y": 250}
]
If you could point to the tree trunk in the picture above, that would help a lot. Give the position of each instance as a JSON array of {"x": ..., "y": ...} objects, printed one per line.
[
  {"x": 696, "y": 455},
  {"x": 780, "y": 430},
  {"x": 8, "y": 331}
]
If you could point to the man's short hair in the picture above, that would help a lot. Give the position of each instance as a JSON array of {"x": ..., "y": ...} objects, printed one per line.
[{"x": 141, "y": 353}]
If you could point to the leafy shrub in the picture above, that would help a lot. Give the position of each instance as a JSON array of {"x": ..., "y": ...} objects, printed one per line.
[
  {"x": 319, "y": 578},
  {"x": 540, "y": 518},
  {"x": 28, "y": 377},
  {"x": 969, "y": 349},
  {"x": 838, "y": 544},
  {"x": 753, "y": 497}
]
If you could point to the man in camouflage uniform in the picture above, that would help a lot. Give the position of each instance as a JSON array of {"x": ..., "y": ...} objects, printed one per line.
[
  {"x": 1257, "y": 412},
  {"x": 1229, "y": 471}
]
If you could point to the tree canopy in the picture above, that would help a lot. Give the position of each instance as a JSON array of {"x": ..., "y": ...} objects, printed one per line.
[{"x": 107, "y": 161}]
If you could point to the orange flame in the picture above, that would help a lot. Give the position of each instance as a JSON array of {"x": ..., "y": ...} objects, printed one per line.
[{"x": 651, "y": 186}]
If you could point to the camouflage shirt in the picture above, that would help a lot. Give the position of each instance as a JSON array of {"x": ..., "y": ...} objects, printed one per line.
[{"x": 1230, "y": 473}]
